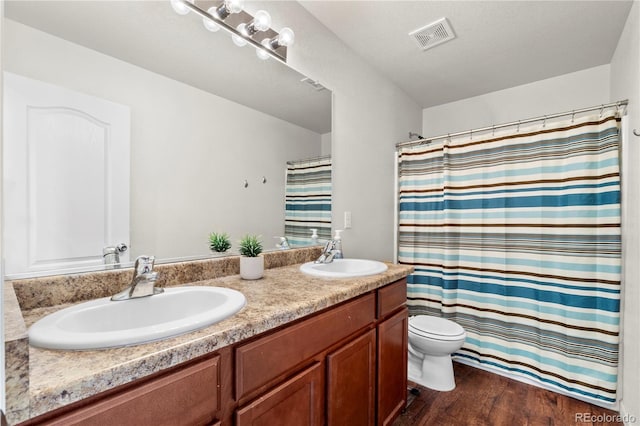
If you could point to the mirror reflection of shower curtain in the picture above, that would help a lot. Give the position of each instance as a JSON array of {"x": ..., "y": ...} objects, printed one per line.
[
  {"x": 308, "y": 200},
  {"x": 516, "y": 237}
]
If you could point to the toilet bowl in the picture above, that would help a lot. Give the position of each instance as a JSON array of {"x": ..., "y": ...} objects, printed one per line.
[{"x": 432, "y": 340}]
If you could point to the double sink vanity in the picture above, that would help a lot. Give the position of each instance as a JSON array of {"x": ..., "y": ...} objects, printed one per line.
[{"x": 304, "y": 349}]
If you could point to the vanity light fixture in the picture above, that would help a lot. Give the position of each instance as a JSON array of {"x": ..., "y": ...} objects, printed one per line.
[
  {"x": 285, "y": 38},
  {"x": 222, "y": 12},
  {"x": 244, "y": 28},
  {"x": 180, "y": 7},
  {"x": 228, "y": 7}
]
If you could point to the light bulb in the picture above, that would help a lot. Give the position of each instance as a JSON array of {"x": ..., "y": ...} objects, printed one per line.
[
  {"x": 234, "y": 6},
  {"x": 179, "y": 6},
  {"x": 228, "y": 7},
  {"x": 210, "y": 24},
  {"x": 237, "y": 40},
  {"x": 261, "y": 53},
  {"x": 286, "y": 37},
  {"x": 262, "y": 20}
]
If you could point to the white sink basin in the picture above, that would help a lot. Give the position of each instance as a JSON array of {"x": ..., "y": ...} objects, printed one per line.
[
  {"x": 344, "y": 268},
  {"x": 102, "y": 323}
]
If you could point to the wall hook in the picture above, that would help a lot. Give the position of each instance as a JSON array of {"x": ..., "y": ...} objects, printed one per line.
[
  {"x": 246, "y": 184},
  {"x": 264, "y": 179},
  {"x": 635, "y": 132}
]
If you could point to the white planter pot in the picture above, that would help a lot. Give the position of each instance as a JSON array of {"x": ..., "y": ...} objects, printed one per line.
[{"x": 251, "y": 268}]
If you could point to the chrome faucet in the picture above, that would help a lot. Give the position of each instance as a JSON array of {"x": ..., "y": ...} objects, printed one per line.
[
  {"x": 143, "y": 282},
  {"x": 325, "y": 253},
  {"x": 111, "y": 255},
  {"x": 283, "y": 244},
  {"x": 332, "y": 250}
]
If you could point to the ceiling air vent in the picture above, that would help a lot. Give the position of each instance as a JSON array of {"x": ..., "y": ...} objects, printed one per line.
[{"x": 433, "y": 34}]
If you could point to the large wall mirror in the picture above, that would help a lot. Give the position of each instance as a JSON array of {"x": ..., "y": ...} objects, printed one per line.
[{"x": 127, "y": 123}]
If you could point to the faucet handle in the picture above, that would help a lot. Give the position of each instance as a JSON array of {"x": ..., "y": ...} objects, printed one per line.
[
  {"x": 144, "y": 264},
  {"x": 283, "y": 244}
]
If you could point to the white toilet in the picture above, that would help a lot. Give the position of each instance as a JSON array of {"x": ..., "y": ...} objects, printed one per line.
[{"x": 432, "y": 340}]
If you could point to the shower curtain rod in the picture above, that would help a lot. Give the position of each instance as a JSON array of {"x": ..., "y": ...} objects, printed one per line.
[
  {"x": 308, "y": 160},
  {"x": 513, "y": 123}
]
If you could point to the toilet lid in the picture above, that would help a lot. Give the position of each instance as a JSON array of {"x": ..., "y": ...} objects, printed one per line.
[{"x": 435, "y": 326}]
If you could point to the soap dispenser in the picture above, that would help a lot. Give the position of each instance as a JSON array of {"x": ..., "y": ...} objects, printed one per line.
[
  {"x": 337, "y": 244},
  {"x": 314, "y": 236}
]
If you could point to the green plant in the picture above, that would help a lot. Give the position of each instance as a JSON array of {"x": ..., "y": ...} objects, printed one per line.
[
  {"x": 250, "y": 246},
  {"x": 219, "y": 242}
]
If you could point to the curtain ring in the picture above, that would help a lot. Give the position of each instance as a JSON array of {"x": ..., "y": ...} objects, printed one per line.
[
  {"x": 493, "y": 130},
  {"x": 573, "y": 116},
  {"x": 601, "y": 110},
  {"x": 544, "y": 122},
  {"x": 518, "y": 129},
  {"x": 470, "y": 134}
]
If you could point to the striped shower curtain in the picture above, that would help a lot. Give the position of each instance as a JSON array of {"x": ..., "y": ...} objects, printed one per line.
[
  {"x": 516, "y": 237},
  {"x": 308, "y": 200}
]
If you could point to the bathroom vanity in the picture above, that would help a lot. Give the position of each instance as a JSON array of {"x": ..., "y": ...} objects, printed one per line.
[{"x": 304, "y": 350}]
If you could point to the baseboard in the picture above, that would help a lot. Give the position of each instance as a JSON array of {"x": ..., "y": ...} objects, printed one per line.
[{"x": 627, "y": 418}]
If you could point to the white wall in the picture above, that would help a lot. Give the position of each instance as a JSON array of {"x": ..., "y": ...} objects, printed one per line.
[
  {"x": 558, "y": 94},
  {"x": 370, "y": 115},
  {"x": 191, "y": 151},
  {"x": 325, "y": 144},
  {"x": 625, "y": 75}
]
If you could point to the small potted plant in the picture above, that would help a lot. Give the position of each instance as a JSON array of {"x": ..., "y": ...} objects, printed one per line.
[
  {"x": 251, "y": 263},
  {"x": 219, "y": 242}
]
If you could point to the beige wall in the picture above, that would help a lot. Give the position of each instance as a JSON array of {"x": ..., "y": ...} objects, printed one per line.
[
  {"x": 558, "y": 94},
  {"x": 370, "y": 115},
  {"x": 625, "y": 83}
]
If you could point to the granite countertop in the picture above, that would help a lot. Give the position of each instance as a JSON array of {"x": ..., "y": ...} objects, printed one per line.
[{"x": 284, "y": 294}]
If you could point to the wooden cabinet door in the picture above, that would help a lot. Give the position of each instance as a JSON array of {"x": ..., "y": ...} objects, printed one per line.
[
  {"x": 392, "y": 366},
  {"x": 351, "y": 372},
  {"x": 297, "y": 402}
]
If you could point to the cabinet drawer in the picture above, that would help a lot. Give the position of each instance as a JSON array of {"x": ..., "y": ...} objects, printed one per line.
[
  {"x": 189, "y": 396},
  {"x": 392, "y": 297},
  {"x": 265, "y": 359}
]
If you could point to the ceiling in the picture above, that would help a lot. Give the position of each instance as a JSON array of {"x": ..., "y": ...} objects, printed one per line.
[{"x": 498, "y": 44}]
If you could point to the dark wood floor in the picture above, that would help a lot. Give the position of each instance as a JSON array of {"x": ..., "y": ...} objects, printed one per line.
[{"x": 482, "y": 398}]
